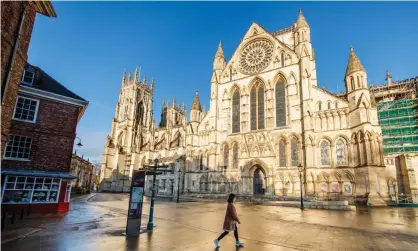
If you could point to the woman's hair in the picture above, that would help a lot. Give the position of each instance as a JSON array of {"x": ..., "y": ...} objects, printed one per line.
[{"x": 231, "y": 198}]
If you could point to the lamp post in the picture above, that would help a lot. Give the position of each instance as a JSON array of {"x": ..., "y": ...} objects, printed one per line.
[
  {"x": 79, "y": 142},
  {"x": 150, "y": 225},
  {"x": 178, "y": 181},
  {"x": 300, "y": 168}
]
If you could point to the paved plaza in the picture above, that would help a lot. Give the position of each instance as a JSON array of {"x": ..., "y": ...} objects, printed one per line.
[{"x": 98, "y": 223}]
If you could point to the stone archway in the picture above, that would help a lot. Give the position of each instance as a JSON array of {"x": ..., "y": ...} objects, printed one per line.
[
  {"x": 259, "y": 182},
  {"x": 256, "y": 178}
]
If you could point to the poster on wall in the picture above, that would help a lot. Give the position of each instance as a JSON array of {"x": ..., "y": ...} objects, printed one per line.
[
  {"x": 324, "y": 188},
  {"x": 133, "y": 224},
  {"x": 335, "y": 188},
  {"x": 347, "y": 188}
]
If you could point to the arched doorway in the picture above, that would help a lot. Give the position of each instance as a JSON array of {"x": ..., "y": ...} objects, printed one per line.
[{"x": 259, "y": 181}]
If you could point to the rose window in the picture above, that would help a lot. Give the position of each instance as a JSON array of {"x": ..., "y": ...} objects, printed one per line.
[{"x": 256, "y": 56}]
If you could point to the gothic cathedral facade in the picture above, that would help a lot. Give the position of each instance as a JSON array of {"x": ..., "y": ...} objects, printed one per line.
[{"x": 268, "y": 122}]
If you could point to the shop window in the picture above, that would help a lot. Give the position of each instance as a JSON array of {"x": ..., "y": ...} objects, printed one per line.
[{"x": 20, "y": 189}]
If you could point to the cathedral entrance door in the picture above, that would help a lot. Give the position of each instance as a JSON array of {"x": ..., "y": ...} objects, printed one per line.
[{"x": 259, "y": 181}]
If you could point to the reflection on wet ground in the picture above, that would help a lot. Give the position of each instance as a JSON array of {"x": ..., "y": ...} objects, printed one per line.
[{"x": 98, "y": 224}]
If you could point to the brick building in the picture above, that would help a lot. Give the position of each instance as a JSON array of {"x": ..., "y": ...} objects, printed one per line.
[
  {"x": 36, "y": 165},
  {"x": 17, "y": 20},
  {"x": 83, "y": 170}
]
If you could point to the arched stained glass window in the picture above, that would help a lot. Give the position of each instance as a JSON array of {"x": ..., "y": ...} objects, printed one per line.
[
  {"x": 140, "y": 113},
  {"x": 257, "y": 107},
  {"x": 236, "y": 111},
  {"x": 280, "y": 104},
  {"x": 325, "y": 153},
  {"x": 340, "y": 152},
  {"x": 282, "y": 153},
  {"x": 294, "y": 152},
  {"x": 235, "y": 156},
  {"x": 226, "y": 156},
  {"x": 261, "y": 107}
]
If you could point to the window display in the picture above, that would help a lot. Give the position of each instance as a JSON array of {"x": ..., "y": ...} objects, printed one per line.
[{"x": 30, "y": 190}]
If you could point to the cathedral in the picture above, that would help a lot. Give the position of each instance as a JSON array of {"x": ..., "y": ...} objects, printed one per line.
[{"x": 269, "y": 130}]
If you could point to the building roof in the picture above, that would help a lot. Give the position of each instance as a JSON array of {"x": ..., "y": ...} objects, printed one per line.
[
  {"x": 46, "y": 83},
  {"x": 196, "y": 102},
  {"x": 44, "y": 8},
  {"x": 354, "y": 63}
]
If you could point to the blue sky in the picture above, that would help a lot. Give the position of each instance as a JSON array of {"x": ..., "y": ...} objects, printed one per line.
[{"x": 90, "y": 44}]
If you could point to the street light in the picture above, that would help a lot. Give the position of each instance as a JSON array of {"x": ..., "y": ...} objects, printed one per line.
[
  {"x": 301, "y": 169},
  {"x": 150, "y": 225},
  {"x": 79, "y": 142},
  {"x": 178, "y": 182}
]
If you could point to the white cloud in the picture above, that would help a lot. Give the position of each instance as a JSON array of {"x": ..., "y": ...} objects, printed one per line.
[{"x": 93, "y": 143}]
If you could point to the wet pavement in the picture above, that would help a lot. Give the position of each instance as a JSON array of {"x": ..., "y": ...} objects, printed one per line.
[{"x": 99, "y": 224}]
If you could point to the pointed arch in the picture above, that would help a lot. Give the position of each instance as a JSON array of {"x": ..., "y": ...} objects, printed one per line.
[
  {"x": 282, "y": 58},
  {"x": 325, "y": 150},
  {"x": 257, "y": 87},
  {"x": 235, "y": 152},
  {"x": 280, "y": 98},
  {"x": 226, "y": 156},
  {"x": 233, "y": 89},
  {"x": 140, "y": 113},
  {"x": 282, "y": 152},
  {"x": 236, "y": 110},
  {"x": 294, "y": 146}
]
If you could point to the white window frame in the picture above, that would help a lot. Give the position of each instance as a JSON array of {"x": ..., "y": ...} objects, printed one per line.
[
  {"x": 15, "y": 158},
  {"x": 67, "y": 196},
  {"x": 36, "y": 109},
  {"x": 32, "y": 189},
  {"x": 23, "y": 77}
]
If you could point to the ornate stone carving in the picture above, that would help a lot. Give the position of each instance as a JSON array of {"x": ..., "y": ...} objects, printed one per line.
[{"x": 256, "y": 56}]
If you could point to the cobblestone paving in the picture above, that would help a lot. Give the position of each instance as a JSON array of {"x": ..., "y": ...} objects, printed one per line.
[{"x": 99, "y": 225}]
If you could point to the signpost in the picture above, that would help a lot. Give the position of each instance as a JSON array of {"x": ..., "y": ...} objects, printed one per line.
[{"x": 133, "y": 224}]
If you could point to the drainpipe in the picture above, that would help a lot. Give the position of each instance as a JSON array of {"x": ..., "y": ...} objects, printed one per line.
[{"x": 9, "y": 64}]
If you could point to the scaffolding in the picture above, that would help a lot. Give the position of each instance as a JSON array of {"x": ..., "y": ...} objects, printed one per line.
[{"x": 399, "y": 122}]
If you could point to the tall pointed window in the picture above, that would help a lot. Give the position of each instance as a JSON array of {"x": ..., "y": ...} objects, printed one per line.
[
  {"x": 140, "y": 113},
  {"x": 325, "y": 153},
  {"x": 294, "y": 152},
  {"x": 236, "y": 111},
  {"x": 280, "y": 104},
  {"x": 282, "y": 153},
  {"x": 340, "y": 152},
  {"x": 353, "y": 87},
  {"x": 235, "y": 156},
  {"x": 257, "y": 107},
  {"x": 226, "y": 156}
]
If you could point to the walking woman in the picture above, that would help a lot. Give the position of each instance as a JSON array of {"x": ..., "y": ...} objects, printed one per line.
[{"x": 230, "y": 222}]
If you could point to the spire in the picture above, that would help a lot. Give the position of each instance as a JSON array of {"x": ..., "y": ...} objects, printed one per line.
[
  {"x": 301, "y": 22},
  {"x": 219, "y": 61},
  {"x": 174, "y": 101},
  {"x": 196, "y": 102},
  {"x": 152, "y": 84},
  {"x": 163, "y": 104},
  {"x": 353, "y": 63},
  {"x": 144, "y": 81},
  {"x": 124, "y": 76},
  {"x": 136, "y": 74},
  {"x": 129, "y": 76},
  {"x": 388, "y": 78},
  {"x": 220, "y": 51}
]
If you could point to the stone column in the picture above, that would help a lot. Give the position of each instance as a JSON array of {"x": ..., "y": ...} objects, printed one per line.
[{"x": 332, "y": 155}]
